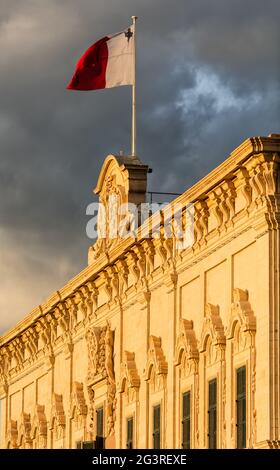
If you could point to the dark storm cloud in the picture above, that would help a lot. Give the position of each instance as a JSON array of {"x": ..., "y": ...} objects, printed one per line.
[{"x": 208, "y": 77}]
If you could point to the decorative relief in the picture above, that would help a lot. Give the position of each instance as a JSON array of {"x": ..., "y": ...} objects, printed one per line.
[
  {"x": 5, "y": 361},
  {"x": 39, "y": 428},
  {"x": 271, "y": 174},
  {"x": 63, "y": 318},
  {"x": 157, "y": 367},
  {"x": 215, "y": 206},
  {"x": 122, "y": 180},
  {"x": 57, "y": 419},
  {"x": 241, "y": 313},
  {"x": 111, "y": 388},
  {"x": 114, "y": 282},
  {"x": 44, "y": 331},
  {"x": 186, "y": 352},
  {"x": 25, "y": 440},
  {"x": 72, "y": 308},
  {"x": 242, "y": 184},
  {"x": 78, "y": 406},
  {"x": 228, "y": 202},
  {"x": 150, "y": 255},
  {"x": 129, "y": 378},
  {"x": 30, "y": 339},
  {"x": 12, "y": 434},
  {"x": 100, "y": 343},
  {"x": 83, "y": 304},
  {"x": 95, "y": 338},
  {"x": 16, "y": 349},
  {"x": 123, "y": 273},
  {"x": 212, "y": 328},
  {"x": 201, "y": 216},
  {"x": 93, "y": 297}
]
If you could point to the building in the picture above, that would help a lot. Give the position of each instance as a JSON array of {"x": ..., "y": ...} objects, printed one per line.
[{"x": 155, "y": 343}]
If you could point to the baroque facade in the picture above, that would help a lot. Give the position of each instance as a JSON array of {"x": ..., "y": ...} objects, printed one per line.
[{"x": 154, "y": 343}]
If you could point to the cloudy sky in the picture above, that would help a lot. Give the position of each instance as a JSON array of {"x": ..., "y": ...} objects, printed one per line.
[{"x": 208, "y": 75}]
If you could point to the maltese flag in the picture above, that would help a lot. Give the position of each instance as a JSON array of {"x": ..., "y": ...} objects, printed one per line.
[{"x": 109, "y": 62}]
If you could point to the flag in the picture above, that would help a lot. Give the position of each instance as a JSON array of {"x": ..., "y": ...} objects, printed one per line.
[{"x": 106, "y": 64}]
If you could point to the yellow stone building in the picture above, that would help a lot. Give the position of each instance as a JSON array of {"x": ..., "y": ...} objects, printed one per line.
[{"x": 157, "y": 343}]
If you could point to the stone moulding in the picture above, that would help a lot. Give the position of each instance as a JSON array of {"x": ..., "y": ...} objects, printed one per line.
[
  {"x": 186, "y": 342},
  {"x": 129, "y": 375},
  {"x": 39, "y": 425},
  {"x": 212, "y": 327},
  {"x": 241, "y": 312},
  {"x": 78, "y": 402},
  {"x": 12, "y": 434},
  {"x": 57, "y": 412},
  {"x": 24, "y": 436},
  {"x": 156, "y": 358}
]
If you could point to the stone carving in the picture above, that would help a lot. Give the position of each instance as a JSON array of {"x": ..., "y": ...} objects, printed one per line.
[
  {"x": 157, "y": 367},
  {"x": 186, "y": 343},
  {"x": 228, "y": 202},
  {"x": 95, "y": 338},
  {"x": 17, "y": 350},
  {"x": 39, "y": 428},
  {"x": 44, "y": 331},
  {"x": 30, "y": 338},
  {"x": 111, "y": 389},
  {"x": 242, "y": 182},
  {"x": 78, "y": 406},
  {"x": 201, "y": 215},
  {"x": 12, "y": 434},
  {"x": 100, "y": 342},
  {"x": 122, "y": 180},
  {"x": 5, "y": 360},
  {"x": 129, "y": 378},
  {"x": 215, "y": 206},
  {"x": 150, "y": 255},
  {"x": 123, "y": 272},
  {"x": 241, "y": 313},
  {"x": 24, "y": 438},
  {"x": 57, "y": 419},
  {"x": 212, "y": 327}
]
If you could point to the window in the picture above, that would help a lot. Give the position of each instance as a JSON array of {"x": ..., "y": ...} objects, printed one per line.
[
  {"x": 156, "y": 427},
  {"x": 241, "y": 407},
  {"x": 129, "y": 433},
  {"x": 99, "y": 429},
  {"x": 212, "y": 414},
  {"x": 186, "y": 421}
]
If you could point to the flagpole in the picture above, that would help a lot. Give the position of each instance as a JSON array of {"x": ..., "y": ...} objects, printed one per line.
[{"x": 134, "y": 134}]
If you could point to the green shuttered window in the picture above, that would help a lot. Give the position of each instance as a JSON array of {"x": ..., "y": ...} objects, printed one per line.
[
  {"x": 186, "y": 421},
  {"x": 156, "y": 427},
  {"x": 129, "y": 433},
  {"x": 212, "y": 414},
  {"x": 99, "y": 428},
  {"x": 241, "y": 407}
]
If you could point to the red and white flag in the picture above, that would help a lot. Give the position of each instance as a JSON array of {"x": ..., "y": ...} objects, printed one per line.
[{"x": 109, "y": 62}]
